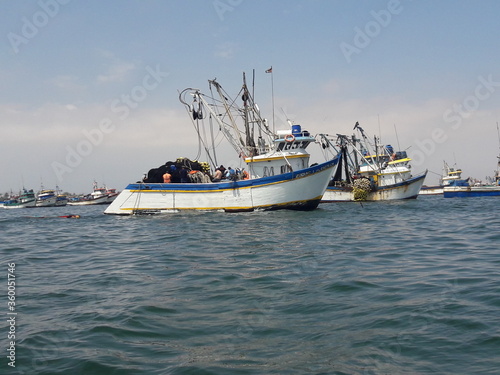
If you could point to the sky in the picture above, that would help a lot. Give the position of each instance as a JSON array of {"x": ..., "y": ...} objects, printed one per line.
[{"x": 89, "y": 89}]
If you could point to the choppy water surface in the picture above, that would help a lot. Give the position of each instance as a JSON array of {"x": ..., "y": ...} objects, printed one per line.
[{"x": 407, "y": 287}]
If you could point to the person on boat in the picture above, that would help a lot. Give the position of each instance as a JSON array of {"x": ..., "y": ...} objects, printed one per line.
[
  {"x": 167, "y": 178},
  {"x": 231, "y": 174},
  {"x": 222, "y": 170},
  {"x": 184, "y": 175},
  {"x": 217, "y": 175},
  {"x": 244, "y": 174}
]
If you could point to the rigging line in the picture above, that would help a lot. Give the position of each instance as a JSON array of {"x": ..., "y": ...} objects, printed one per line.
[
  {"x": 195, "y": 124},
  {"x": 213, "y": 141},
  {"x": 437, "y": 174},
  {"x": 498, "y": 131},
  {"x": 397, "y": 138},
  {"x": 223, "y": 126},
  {"x": 200, "y": 141}
]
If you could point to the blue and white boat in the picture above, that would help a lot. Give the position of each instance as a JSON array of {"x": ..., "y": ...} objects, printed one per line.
[
  {"x": 450, "y": 174},
  {"x": 46, "y": 198},
  {"x": 462, "y": 188},
  {"x": 278, "y": 171},
  {"x": 26, "y": 199}
]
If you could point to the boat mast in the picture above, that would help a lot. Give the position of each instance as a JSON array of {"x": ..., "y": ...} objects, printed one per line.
[{"x": 250, "y": 142}]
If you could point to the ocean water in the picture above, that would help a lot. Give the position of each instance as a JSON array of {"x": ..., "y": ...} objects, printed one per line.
[{"x": 409, "y": 287}]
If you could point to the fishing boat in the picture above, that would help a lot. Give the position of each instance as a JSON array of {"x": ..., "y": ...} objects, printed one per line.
[
  {"x": 26, "y": 199},
  {"x": 61, "y": 199},
  {"x": 46, "y": 198},
  {"x": 450, "y": 174},
  {"x": 112, "y": 194},
  {"x": 463, "y": 188},
  {"x": 275, "y": 175},
  {"x": 99, "y": 195},
  {"x": 369, "y": 171}
]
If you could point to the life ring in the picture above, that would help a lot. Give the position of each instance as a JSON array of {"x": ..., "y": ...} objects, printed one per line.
[{"x": 289, "y": 138}]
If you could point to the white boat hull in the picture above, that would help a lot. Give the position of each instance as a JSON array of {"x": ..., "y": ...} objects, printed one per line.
[
  {"x": 46, "y": 202},
  {"x": 89, "y": 202},
  {"x": 408, "y": 189},
  {"x": 30, "y": 204},
  {"x": 111, "y": 197},
  {"x": 431, "y": 190},
  {"x": 300, "y": 190},
  {"x": 61, "y": 203}
]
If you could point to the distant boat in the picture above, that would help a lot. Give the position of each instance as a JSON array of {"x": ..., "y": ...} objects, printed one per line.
[
  {"x": 112, "y": 194},
  {"x": 46, "y": 198},
  {"x": 25, "y": 200},
  {"x": 278, "y": 176},
  {"x": 61, "y": 200},
  {"x": 462, "y": 188},
  {"x": 370, "y": 172},
  {"x": 450, "y": 174},
  {"x": 99, "y": 195}
]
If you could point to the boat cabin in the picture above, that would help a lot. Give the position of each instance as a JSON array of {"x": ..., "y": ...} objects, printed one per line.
[{"x": 288, "y": 154}]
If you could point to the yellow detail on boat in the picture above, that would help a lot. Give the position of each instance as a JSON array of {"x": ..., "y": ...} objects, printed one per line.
[{"x": 253, "y": 160}]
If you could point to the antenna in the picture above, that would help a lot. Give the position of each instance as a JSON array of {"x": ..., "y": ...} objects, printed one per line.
[
  {"x": 498, "y": 131},
  {"x": 253, "y": 84},
  {"x": 397, "y": 138},
  {"x": 290, "y": 122},
  {"x": 379, "y": 130},
  {"x": 270, "y": 70}
]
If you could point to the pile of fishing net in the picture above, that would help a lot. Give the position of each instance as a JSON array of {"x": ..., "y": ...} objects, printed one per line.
[
  {"x": 155, "y": 175},
  {"x": 361, "y": 187}
]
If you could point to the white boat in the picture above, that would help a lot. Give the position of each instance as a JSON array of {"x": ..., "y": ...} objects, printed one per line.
[
  {"x": 61, "y": 200},
  {"x": 367, "y": 175},
  {"x": 278, "y": 175},
  {"x": 99, "y": 195},
  {"x": 46, "y": 198},
  {"x": 450, "y": 174},
  {"x": 112, "y": 194},
  {"x": 26, "y": 199}
]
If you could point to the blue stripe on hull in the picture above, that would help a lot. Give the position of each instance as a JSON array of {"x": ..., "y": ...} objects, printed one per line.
[
  {"x": 462, "y": 194},
  {"x": 242, "y": 184}
]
